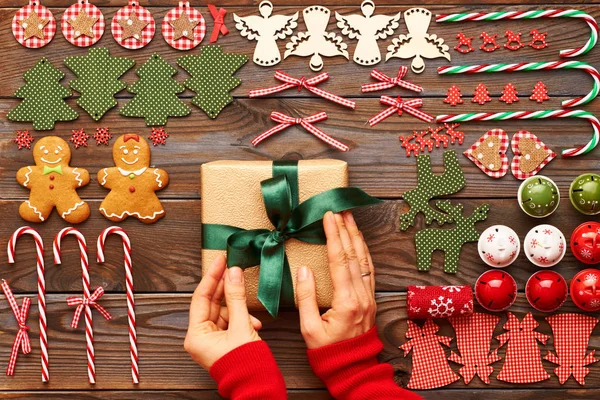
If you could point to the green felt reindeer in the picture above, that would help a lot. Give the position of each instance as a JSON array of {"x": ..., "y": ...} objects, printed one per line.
[
  {"x": 450, "y": 241},
  {"x": 430, "y": 186}
]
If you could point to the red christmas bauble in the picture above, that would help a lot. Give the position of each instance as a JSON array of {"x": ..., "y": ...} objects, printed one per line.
[
  {"x": 495, "y": 290},
  {"x": 585, "y": 242},
  {"x": 546, "y": 291},
  {"x": 585, "y": 289}
]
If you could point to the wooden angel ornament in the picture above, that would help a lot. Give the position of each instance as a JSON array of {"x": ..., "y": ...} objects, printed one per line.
[
  {"x": 316, "y": 42},
  {"x": 367, "y": 28},
  {"x": 418, "y": 43},
  {"x": 266, "y": 29}
]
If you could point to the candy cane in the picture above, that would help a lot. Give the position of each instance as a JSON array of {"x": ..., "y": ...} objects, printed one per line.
[
  {"x": 533, "y": 66},
  {"x": 87, "y": 301},
  {"x": 130, "y": 298},
  {"x": 503, "y": 116},
  {"x": 495, "y": 16},
  {"x": 41, "y": 284}
]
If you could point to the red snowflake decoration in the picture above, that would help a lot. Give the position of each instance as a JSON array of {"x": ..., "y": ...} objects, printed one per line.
[
  {"x": 512, "y": 240},
  {"x": 23, "y": 139},
  {"x": 490, "y": 238},
  {"x": 102, "y": 136},
  {"x": 490, "y": 257},
  {"x": 543, "y": 259},
  {"x": 547, "y": 232},
  {"x": 159, "y": 136},
  {"x": 534, "y": 243},
  {"x": 79, "y": 138}
]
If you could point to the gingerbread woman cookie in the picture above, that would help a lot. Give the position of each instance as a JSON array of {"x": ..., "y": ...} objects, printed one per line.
[
  {"x": 132, "y": 182},
  {"x": 53, "y": 183}
]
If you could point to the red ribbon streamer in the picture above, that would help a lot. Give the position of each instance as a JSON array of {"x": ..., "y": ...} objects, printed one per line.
[
  {"x": 81, "y": 302},
  {"x": 309, "y": 84},
  {"x": 22, "y": 337},
  {"x": 286, "y": 121},
  {"x": 385, "y": 82},
  {"x": 219, "y": 26},
  {"x": 397, "y": 105}
]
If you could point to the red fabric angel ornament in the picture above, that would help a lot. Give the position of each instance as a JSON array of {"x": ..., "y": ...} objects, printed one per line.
[
  {"x": 523, "y": 362},
  {"x": 473, "y": 338},
  {"x": 571, "y": 337},
  {"x": 430, "y": 367}
]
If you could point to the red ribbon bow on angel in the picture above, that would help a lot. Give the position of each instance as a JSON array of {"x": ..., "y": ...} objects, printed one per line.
[
  {"x": 398, "y": 105},
  {"x": 385, "y": 82},
  {"x": 86, "y": 301}
]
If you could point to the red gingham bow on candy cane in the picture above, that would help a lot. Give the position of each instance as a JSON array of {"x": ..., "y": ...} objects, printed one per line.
[
  {"x": 385, "y": 82},
  {"x": 81, "y": 302},
  {"x": 308, "y": 84},
  {"x": 398, "y": 105},
  {"x": 219, "y": 27},
  {"x": 22, "y": 338},
  {"x": 286, "y": 121}
]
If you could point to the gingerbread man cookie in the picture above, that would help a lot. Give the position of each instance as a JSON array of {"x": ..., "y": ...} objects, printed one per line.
[
  {"x": 53, "y": 183},
  {"x": 132, "y": 182}
]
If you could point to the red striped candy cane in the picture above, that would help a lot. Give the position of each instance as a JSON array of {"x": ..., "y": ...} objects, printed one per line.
[
  {"x": 130, "y": 297},
  {"x": 41, "y": 284}
]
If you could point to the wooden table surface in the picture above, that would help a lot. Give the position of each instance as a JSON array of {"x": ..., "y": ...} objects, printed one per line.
[{"x": 166, "y": 255}]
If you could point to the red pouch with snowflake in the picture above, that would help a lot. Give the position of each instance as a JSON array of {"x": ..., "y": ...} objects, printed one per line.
[{"x": 424, "y": 302}]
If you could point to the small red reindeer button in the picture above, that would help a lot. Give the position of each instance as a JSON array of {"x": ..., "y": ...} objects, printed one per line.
[
  {"x": 585, "y": 242},
  {"x": 546, "y": 291},
  {"x": 585, "y": 289},
  {"x": 495, "y": 290}
]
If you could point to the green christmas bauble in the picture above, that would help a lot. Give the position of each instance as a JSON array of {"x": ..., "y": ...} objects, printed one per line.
[
  {"x": 584, "y": 194},
  {"x": 538, "y": 196}
]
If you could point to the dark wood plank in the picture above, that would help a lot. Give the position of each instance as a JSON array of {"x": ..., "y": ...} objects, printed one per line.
[{"x": 162, "y": 323}]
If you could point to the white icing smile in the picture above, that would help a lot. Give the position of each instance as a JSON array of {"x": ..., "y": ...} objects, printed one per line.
[
  {"x": 51, "y": 162},
  {"x": 130, "y": 163}
]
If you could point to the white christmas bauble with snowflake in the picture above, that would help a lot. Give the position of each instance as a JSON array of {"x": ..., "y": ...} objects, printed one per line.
[
  {"x": 545, "y": 246},
  {"x": 498, "y": 246}
]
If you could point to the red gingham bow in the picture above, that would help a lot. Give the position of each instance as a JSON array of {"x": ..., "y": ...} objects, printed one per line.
[
  {"x": 82, "y": 302},
  {"x": 385, "y": 82},
  {"x": 286, "y": 121},
  {"x": 22, "y": 337},
  {"x": 308, "y": 84},
  {"x": 398, "y": 105},
  {"x": 219, "y": 17}
]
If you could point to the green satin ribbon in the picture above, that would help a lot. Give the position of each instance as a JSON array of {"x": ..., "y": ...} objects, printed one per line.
[
  {"x": 57, "y": 169},
  {"x": 248, "y": 248}
]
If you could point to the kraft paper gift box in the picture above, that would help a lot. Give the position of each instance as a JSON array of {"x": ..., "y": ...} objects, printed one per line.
[{"x": 231, "y": 195}]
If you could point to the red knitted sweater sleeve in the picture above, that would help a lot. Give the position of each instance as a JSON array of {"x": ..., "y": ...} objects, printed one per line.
[
  {"x": 249, "y": 372},
  {"x": 350, "y": 370}
]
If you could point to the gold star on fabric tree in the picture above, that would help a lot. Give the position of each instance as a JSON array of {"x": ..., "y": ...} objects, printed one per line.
[
  {"x": 132, "y": 27},
  {"x": 34, "y": 26},
  {"x": 183, "y": 27},
  {"x": 82, "y": 24}
]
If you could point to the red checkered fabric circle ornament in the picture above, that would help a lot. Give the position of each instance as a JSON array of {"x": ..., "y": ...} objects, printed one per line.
[
  {"x": 34, "y": 25},
  {"x": 183, "y": 27},
  {"x": 82, "y": 24},
  {"x": 133, "y": 26}
]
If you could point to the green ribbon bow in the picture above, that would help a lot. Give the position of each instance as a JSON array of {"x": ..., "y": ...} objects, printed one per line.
[
  {"x": 57, "y": 169},
  {"x": 248, "y": 248}
]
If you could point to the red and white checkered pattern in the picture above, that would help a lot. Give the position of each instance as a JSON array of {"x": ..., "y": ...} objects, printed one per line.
[
  {"x": 22, "y": 337},
  {"x": 430, "y": 367},
  {"x": 71, "y": 13},
  {"x": 473, "y": 338},
  {"x": 398, "y": 105},
  {"x": 514, "y": 165},
  {"x": 571, "y": 337},
  {"x": 503, "y": 147},
  {"x": 183, "y": 43},
  {"x": 385, "y": 82},
  {"x": 144, "y": 15},
  {"x": 523, "y": 362},
  {"x": 22, "y": 14}
]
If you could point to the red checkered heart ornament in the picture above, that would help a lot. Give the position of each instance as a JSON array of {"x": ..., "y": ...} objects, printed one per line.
[
  {"x": 531, "y": 155},
  {"x": 489, "y": 153},
  {"x": 133, "y": 26},
  {"x": 183, "y": 27},
  {"x": 82, "y": 24},
  {"x": 34, "y": 25}
]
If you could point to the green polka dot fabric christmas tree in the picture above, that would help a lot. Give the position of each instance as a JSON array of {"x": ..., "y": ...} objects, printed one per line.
[
  {"x": 43, "y": 98},
  {"x": 98, "y": 79},
  {"x": 212, "y": 77},
  {"x": 155, "y": 93}
]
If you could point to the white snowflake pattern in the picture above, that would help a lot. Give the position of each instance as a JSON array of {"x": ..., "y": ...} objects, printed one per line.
[
  {"x": 595, "y": 303},
  {"x": 421, "y": 287},
  {"x": 467, "y": 307},
  {"x": 441, "y": 308},
  {"x": 586, "y": 253},
  {"x": 451, "y": 289},
  {"x": 411, "y": 294},
  {"x": 415, "y": 310},
  {"x": 591, "y": 278}
]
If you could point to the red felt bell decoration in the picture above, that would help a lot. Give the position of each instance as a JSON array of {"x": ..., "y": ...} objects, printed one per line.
[
  {"x": 495, "y": 290},
  {"x": 546, "y": 291},
  {"x": 585, "y": 242},
  {"x": 585, "y": 289}
]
